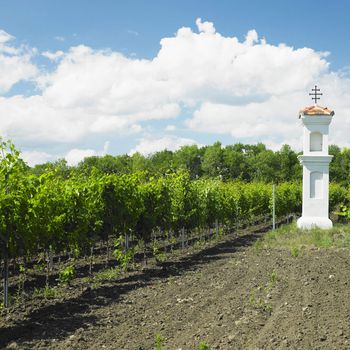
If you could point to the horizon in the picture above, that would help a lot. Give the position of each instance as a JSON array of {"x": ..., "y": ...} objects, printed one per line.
[{"x": 200, "y": 147}]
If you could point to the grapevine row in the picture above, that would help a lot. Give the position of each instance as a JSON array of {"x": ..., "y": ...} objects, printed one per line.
[{"x": 38, "y": 213}]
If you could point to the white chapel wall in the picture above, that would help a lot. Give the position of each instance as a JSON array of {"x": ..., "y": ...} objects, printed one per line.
[
  {"x": 316, "y": 142},
  {"x": 316, "y": 185}
]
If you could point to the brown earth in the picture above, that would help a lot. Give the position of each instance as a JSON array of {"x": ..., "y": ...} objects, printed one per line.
[{"x": 225, "y": 293}]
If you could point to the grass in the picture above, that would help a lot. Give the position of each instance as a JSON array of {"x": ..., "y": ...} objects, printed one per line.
[
  {"x": 295, "y": 239},
  {"x": 273, "y": 278},
  {"x": 258, "y": 297},
  {"x": 110, "y": 274},
  {"x": 259, "y": 302},
  {"x": 46, "y": 292},
  {"x": 203, "y": 346},
  {"x": 66, "y": 275},
  {"x": 158, "y": 340},
  {"x": 159, "y": 343}
]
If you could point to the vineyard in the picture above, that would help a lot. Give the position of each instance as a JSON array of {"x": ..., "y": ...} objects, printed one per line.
[
  {"x": 174, "y": 175},
  {"x": 53, "y": 214},
  {"x": 49, "y": 222}
]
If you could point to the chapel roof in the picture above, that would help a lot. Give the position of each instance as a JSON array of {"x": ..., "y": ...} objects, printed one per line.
[{"x": 316, "y": 110}]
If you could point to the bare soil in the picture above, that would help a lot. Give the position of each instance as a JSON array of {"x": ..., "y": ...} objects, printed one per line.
[{"x": 225, "y": 293}]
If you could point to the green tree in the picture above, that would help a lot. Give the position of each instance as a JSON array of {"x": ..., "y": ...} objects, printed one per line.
[
  {"x": 212, "y": 164},
  {"x": 339, "y": 168},
  {"x": 189, "y": 158},
  {"x": 234, "y": 162},
  {"x": 290, "y": 168},
  {"x": 162, "y": 162},
  {"x": 266, "y": 166},
  {"x": 139, "y": 162},
  {"x": 107, "y": 164}
]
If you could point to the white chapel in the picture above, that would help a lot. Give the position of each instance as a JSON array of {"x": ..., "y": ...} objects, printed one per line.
[{"x": 315, "y": 161}]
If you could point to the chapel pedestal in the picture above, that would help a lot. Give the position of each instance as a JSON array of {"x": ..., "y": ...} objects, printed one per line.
[{"x": 315, "y": 161}]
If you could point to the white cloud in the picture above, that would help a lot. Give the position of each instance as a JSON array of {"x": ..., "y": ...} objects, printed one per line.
[
  {"x": 205, "y": 27},
  {"x": 15, "y": 63},
  {"x": 275, "y": 120},
  {"x": 5, "y": 37},
  {"x": 60, "y": 38},
  {"x": 36, "y": 157},
  {"x": 254, "y": 120},
  {"x": 170, "y": 128},
  {"x": 148, "y": 146},
  {"x": 248, "y": 88},
  {"x": 74, "y": 156},
  {"x": 110, "y": 123},
  {"x": 252, "y": 38},
  {"x": 33, "y": 121},
  {"x": 105, "y": 147},
  {"x": 53, "y": 56}
]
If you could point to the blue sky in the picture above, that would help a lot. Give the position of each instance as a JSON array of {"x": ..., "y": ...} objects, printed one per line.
[
  {"x": 113, "y": 24},
  {"x": 322, "y": 25},
  {"x": 88, "y": 81}
]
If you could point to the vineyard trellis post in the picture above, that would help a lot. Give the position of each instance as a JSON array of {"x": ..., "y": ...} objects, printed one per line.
[
  {"x": 183, "y": 237},
  {"x": 6, "y": 263},
  {"x": 6, "y": 277},
  {"x": 273, "y": 206},
  {"x": 126, "y": 241}
]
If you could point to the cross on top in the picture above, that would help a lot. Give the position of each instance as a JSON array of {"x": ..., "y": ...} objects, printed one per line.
[{"x": 315, "y": 92}]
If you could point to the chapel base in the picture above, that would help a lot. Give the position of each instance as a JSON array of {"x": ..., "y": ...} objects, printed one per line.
[{"x": 308, "y": 222}]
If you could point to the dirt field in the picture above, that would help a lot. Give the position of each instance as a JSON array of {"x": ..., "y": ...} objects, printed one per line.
[{"x": 225, "y": 293}]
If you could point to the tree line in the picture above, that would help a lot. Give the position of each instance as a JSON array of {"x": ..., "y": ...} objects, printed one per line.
[{"x": 233, "y": 162}]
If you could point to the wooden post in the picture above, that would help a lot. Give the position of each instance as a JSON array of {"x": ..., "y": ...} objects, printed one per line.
[
  {"x": 91, "y": 259},
  {"x": 6, "y": 277},
  {"x": 47, "y": 267},
  {"x": 183, "y": 238},
  {"x": 50, "y": 259},
  {"x": 237, "y": 223},
  {"x": 126, "y": 242},
  {"x": 6, "y": 261},
  {"x": 273, "y": 207}
]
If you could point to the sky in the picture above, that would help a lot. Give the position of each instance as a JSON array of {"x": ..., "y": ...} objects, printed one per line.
[{"x": 81, "y": 78}]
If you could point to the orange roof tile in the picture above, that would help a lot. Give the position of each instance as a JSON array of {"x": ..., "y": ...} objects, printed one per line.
[{"x": 316, "y": 110}]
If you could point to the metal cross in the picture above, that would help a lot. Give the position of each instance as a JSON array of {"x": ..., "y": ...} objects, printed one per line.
[{"x": 315, "y": 93}]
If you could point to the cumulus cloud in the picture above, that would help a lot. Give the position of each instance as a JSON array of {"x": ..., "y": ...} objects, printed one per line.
[
  {"x": 34, "y": 121},
  {"x": 275, "y": 120},
  {"x": 271, "y": 117},
  {"x": 170, "y": 127},
  {"x": 252, "y": 38},
  {"x": 74, "y": 156},
  {"x": 247, "y": 88},
  {"x": 37, "y": 157},
  {"x": 15, "y": 63},
  {"x": 53, "y": 56},
  {"x": 205, "y": 27},
  {"x": 5, "y": 37},
  {"x": 147, "y": 146}
]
